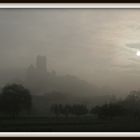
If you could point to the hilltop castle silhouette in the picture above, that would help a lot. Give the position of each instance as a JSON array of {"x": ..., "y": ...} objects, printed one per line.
[
  {"x": 40, "y": 81},
  {"x": 39, "y": 70},
  {"x": 37, "y": 77}
]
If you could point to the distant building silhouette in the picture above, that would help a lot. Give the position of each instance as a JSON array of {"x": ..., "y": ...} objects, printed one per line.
[
  {"x": 41, "y": 81},
  {"x": 41, "y": 64},
  {"x": 36, "y": 76}
]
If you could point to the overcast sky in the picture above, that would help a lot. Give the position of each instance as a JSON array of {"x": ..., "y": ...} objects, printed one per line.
[{"x": 97, "y": 45}]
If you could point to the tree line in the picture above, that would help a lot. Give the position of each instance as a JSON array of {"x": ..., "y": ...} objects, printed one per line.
[
  {"x": 16, "y": 99},
  {"x": 129, "y": 106},
  {"x": 107, "y": 110},
  {"x": 66, "y": 110}
]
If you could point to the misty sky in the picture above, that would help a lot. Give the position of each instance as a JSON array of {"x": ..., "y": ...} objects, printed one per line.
[{"x": 97, "y": 45}]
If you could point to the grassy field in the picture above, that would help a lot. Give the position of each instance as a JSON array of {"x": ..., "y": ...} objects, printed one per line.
[{"x": 71, "y": 124}]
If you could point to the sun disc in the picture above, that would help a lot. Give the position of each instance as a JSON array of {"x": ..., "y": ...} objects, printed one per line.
[{"x": 138, "y": 53}]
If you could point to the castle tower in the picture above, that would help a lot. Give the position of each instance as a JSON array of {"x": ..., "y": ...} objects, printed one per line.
[
  {"x": 41, "y": 64},
  {"x": 37, "y": 75}
]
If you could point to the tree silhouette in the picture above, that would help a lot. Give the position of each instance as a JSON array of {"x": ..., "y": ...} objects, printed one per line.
[
  {"x": 56, "y": 109},
  {"x": 108, "y": 111},
  {"x": 15, "y": 99},
  {"x": 66, "y": 110},
  {"x": 132, "y": 104},
  {"x": 79, "y": 110}
]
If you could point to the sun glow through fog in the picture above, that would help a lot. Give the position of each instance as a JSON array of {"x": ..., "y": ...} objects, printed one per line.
[{"x": 138, "y": 53}]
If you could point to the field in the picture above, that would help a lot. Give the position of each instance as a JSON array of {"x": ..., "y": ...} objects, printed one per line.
[{"x": 70, "y": 124}]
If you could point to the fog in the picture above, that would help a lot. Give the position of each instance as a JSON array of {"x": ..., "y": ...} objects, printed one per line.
[{"x": 95, "y": 45}]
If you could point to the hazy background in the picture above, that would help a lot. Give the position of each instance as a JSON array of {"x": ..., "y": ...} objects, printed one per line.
[{"x": 97, "y": 45}]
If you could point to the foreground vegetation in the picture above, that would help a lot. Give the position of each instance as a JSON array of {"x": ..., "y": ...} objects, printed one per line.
[{"x": 17, "y": 114}]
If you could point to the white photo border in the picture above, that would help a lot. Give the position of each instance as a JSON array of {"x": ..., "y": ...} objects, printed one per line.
[
  {"x": 76, "y": 6},
  {"x": 70, "y": 5}
]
